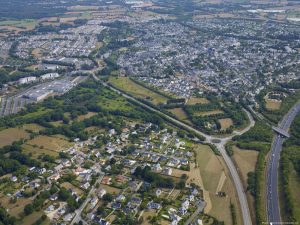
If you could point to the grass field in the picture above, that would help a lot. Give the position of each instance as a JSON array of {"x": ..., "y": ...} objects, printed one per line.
[
  {"x": 68, "y": 186},
  {"x": 208, "y": 113},
  {"x": 49, "y": 143},
  {"x": 37, "y": 151},
  {"x": 14, "y": 209},
  {"x": 193, "y": 101},
  {"x": 179, "y": 113},
  {"x": 8, "y": 136},
  {"x": 33, "y": 127},
  {"x": 124, "y": 83},
  {"x": 212, "y": 170},
  {"x": 86, "y": 116},
  {"x": 109, "y": 189},
  {"x": 294, "y": 186},
  {"x": 15, "y": 26},
  {"x": 225, "y": 123}
]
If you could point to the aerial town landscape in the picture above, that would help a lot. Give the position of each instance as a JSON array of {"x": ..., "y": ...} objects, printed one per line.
[{"x": 150, "y": 112}]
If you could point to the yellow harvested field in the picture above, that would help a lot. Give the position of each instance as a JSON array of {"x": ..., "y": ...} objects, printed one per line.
[
  {"x": 215, "y": 176},
  {"x": 272, "y": 104},
  {"x": 245, "y": 160},
  {"x": 208, "y": 113},
  {"x": 127, "y": 85},
  {"x": 225, "y": 123},
  {"x": 50, "y": 143},
  {"x": 8, "y": 136},
  {"x": 193, "y": 101}
]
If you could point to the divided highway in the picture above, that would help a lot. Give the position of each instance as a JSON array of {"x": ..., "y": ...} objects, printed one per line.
[
  {"x": 273, "y": 206},
  {"x": 209, "y": 139}
]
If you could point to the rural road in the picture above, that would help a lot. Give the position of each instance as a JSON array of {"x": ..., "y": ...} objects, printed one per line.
[
  {"x": 209, "y": 139},
  {"x": 273, "y": 206}
]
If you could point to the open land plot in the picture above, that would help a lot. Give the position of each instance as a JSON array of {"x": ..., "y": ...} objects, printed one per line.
[
  {"x": 37, "y": 52},
  {"x": 33, "y": 217},
  {"x": 209, "y": 113},
  {"x": 50, "y": 143},
  {"x": 148, "y": 213},
  {"x": 8, "y": 136},
  {"x": 14, "y": 209},
  {"x": 127, "y": 85},
  {"x": 109, "y": 189},
  {"x": 68, "y": 186},
  {"x": 272, "y": 104},
  {"x": 225, "y": 123},
  {"x": 212, "y": 170},
  {"x": 194, "y": 100}
]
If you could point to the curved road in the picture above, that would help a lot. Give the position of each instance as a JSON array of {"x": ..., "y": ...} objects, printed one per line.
[
  {"x": 209, "y": 139},
  {"x": 273, "y": 206}
]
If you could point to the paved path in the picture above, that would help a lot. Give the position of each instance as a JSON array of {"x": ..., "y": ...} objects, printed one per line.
[
  {"x": 273, "y": 206},
  {"x": 209, "y": 139}
]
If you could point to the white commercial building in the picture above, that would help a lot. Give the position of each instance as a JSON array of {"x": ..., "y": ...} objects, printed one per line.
[{"x": 26, "y": 80}]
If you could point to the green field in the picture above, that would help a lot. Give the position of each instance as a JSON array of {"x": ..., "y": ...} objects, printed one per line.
[
  {"x": 294, "y": 186},
  {"x": 129, "y": 86}
]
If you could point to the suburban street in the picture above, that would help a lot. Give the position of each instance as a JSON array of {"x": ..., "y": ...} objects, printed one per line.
[
  {"x": 209, "y": 139},
  {"x": 273, "y": 206},
  {"x": 77, "y": 216}
]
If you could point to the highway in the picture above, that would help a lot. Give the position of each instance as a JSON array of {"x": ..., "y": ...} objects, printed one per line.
[
  {"x": 273, "y": 206},
  {"x": 209, "y": 139}
]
